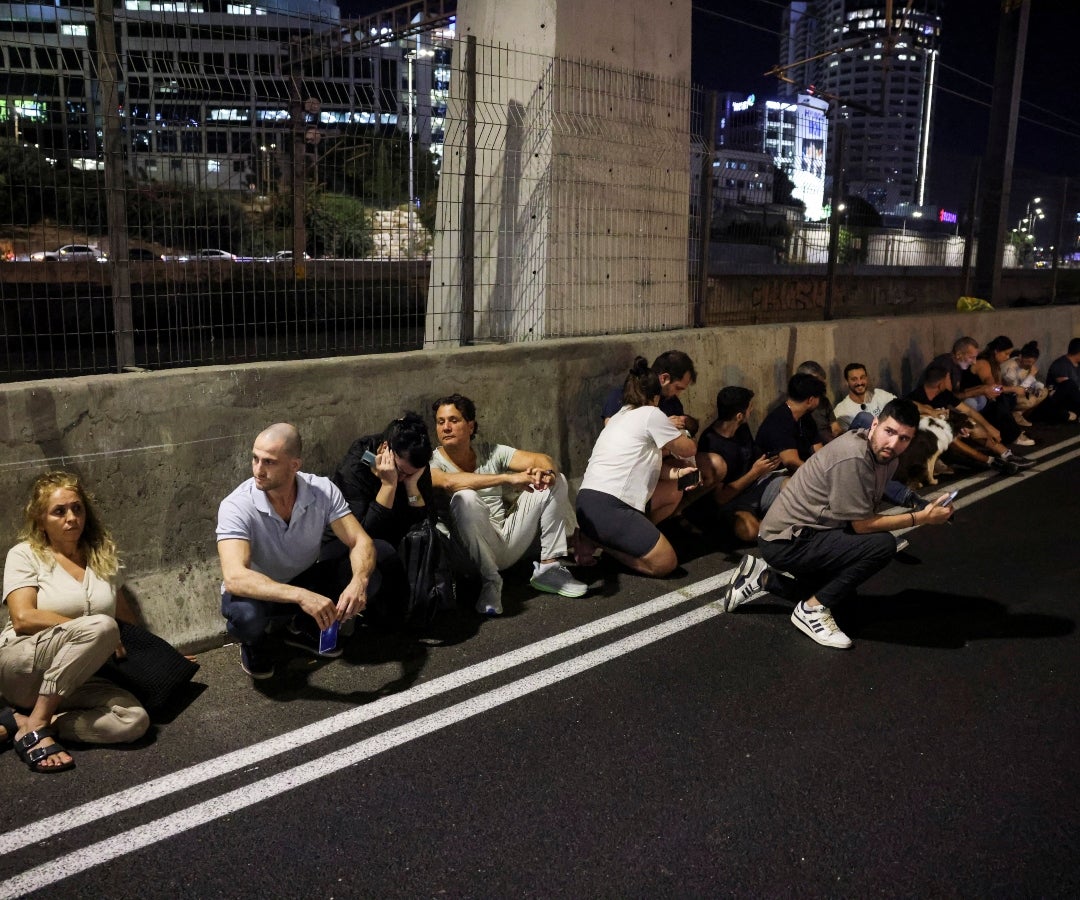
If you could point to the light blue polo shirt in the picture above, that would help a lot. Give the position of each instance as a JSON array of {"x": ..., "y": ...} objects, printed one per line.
[{"x": 281, "y": 550}]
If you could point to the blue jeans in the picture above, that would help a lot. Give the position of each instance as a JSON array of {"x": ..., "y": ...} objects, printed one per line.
[{"x": 246, "y": 619}]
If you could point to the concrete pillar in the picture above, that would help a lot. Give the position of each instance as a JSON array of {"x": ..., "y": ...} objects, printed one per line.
[{"x": 582, "y": 171}]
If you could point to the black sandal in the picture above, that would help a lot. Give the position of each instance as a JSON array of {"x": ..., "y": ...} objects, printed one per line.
[
  {"x": 33, "y": 755},
  {"x": 8, "y": 723}
]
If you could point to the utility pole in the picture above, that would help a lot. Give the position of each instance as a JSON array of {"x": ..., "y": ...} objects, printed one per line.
[{"x": 997, "y": 173}]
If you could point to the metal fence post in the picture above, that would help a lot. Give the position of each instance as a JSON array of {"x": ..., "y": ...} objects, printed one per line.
[
  {"x": 468, "y": 199},
  {"x": 705, "y": 197},
  {"x": 115, "y": 174},
  {"x": 834, "y": 217}
]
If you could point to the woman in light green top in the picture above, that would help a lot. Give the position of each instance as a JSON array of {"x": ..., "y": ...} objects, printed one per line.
[{"x": 63, "y": 593}]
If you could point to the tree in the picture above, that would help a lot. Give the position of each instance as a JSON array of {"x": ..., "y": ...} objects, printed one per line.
[
  {"x": 26, "y": 179},
  {"x": 339, "y": 226},
  {"x": 784, "y": 189}
]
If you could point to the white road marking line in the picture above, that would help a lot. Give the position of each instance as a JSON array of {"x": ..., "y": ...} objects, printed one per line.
[
  {"x": 136, "y": 838},
  {"x": 32, "y": 832},
  {"x": 77, "y": 861}
]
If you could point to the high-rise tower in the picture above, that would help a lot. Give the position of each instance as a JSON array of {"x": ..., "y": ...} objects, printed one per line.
[{"x": 877, "y": 62}]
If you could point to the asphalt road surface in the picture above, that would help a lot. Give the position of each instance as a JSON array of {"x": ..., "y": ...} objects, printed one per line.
[{"x": 636, "y": 743}]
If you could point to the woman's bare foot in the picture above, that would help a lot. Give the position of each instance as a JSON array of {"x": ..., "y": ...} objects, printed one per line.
[{"x": 583, "y": 549}]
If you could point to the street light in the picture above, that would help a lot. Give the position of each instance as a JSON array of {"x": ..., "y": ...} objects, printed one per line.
[{"x": 266, "y": 152}]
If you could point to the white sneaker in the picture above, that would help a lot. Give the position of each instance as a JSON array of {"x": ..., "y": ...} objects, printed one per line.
[
  {"x": 554, "y": 578},
  {"x": 902, "y": 544},
  {"x": 1024, "y": 441},
  {"x": 819, "y": 624},
  {"x": 745, "y": 584},
  {"x": 489, "y": 603}
]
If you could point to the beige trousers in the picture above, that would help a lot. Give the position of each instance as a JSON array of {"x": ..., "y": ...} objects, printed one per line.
[{"x": 62, "y": 660}]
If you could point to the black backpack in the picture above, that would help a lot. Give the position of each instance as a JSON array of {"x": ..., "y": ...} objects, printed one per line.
[{"x": 427, "y": 555}]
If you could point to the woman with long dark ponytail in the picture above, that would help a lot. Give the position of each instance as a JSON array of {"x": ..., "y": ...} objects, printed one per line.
[{"x": 627, "y": 488}]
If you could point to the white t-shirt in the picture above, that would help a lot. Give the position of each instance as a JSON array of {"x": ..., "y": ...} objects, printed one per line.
[
  {"x": 57, "y": 589},
  {"x": 491, "y": 459},
  {"x": 625, "y": 460},
  {"x": 875, "y": 400}
]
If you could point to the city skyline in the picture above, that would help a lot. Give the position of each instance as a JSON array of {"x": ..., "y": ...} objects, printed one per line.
[{"x": 735, "y": 44}]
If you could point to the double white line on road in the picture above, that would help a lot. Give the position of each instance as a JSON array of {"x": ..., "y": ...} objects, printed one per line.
[
  {"x": 32, "y": 832},
  {"x": 184, "y": 820}
]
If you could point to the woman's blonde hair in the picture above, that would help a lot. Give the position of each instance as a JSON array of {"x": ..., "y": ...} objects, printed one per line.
[{"x": 96, "y": 542}]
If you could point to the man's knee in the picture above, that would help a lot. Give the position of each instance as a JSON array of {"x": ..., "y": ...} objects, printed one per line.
[
  {"x": 131, "y": 723},
  {"x": 466, "y": 506},
  {"x": 245, "y": 618},
  {"x": 880, "y": 546},
  {"x": 713, "y": 470}
]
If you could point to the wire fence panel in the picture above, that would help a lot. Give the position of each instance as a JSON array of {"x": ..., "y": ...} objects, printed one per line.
[
  {"x": 189, "y": 183},
  {"x": 249, "y": 198},
  {"x": 563, "y": 201}
]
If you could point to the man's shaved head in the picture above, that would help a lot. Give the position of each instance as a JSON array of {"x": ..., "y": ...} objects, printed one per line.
[{"x": 285, "y": 434}]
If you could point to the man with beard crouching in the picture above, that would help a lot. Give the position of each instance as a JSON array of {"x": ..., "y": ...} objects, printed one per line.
[{"x": 823, "y": 528}]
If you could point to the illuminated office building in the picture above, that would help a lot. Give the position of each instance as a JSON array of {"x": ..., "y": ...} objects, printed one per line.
[
  {"x": 880, "y": 77},
  {"x": 204, "y": 85}
]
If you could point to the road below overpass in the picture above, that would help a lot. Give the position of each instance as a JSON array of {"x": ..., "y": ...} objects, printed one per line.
[{"x": 639, "y": 742}]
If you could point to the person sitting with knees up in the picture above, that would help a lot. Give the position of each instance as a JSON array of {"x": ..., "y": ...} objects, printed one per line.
[
  {"x": 501, "y": 497},
  {"x": 1019, "y": 374},
  {"x": 789, "y": 430},
  {"x": 269, "y": 539},
  {"x": 987, "y": 368},
  {"x": 386, "y": 482},
  {"x": 63, "y": 590},
  {"x": 622, "y": 494},
  {"x": 753, "y": 479}
]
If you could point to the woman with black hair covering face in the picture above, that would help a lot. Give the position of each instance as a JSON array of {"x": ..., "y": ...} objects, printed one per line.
[
  {"x": 386, "y": 481},
  {"x": 390, "y": 494},
  {"x": 627, "y": 489}
]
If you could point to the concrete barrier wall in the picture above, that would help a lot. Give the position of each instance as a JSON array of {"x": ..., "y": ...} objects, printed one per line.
[{"x": 160, "y": 450}]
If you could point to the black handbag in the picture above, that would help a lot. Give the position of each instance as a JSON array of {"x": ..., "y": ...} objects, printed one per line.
[{"x": 152, "y": 670}]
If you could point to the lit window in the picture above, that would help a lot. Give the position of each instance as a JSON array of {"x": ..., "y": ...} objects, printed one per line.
[{"x": 75, "y": 30}]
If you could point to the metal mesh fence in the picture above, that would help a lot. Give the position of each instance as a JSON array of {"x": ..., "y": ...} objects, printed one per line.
[{"x": 192, "y": 183}]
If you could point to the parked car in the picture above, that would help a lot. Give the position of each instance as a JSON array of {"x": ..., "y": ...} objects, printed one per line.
[
  {"x": 68, "y": 253},
  {"x": 210, "y": 254},
  {"x": 286, "y": 256}
]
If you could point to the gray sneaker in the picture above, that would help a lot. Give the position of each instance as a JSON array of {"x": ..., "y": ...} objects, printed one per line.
[
  {"x": 556, "y": 579},
  {"x": 745, "y": 584},
  {"x": 818, "y": 623},
  {"x": 489, "y": 603}
]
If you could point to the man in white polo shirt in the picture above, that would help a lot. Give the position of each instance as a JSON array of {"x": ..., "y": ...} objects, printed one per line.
[{"x": 269, "y": 534}]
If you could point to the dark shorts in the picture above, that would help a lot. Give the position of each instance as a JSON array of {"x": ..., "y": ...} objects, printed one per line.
[
  {"x": 614, "y": 524},
  {"x": 757, "y": 498}
]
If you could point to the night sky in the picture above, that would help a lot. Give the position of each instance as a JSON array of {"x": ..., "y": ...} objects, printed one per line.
[{"x": 735, "y": 42}]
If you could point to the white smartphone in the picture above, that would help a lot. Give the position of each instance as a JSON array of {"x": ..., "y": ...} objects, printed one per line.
[{"x": 948, "y": 498}]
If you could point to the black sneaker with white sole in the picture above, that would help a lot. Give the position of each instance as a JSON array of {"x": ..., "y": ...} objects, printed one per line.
[
  {"x": 745, "y": 584},
  {"x": 256, "y": 662}
]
